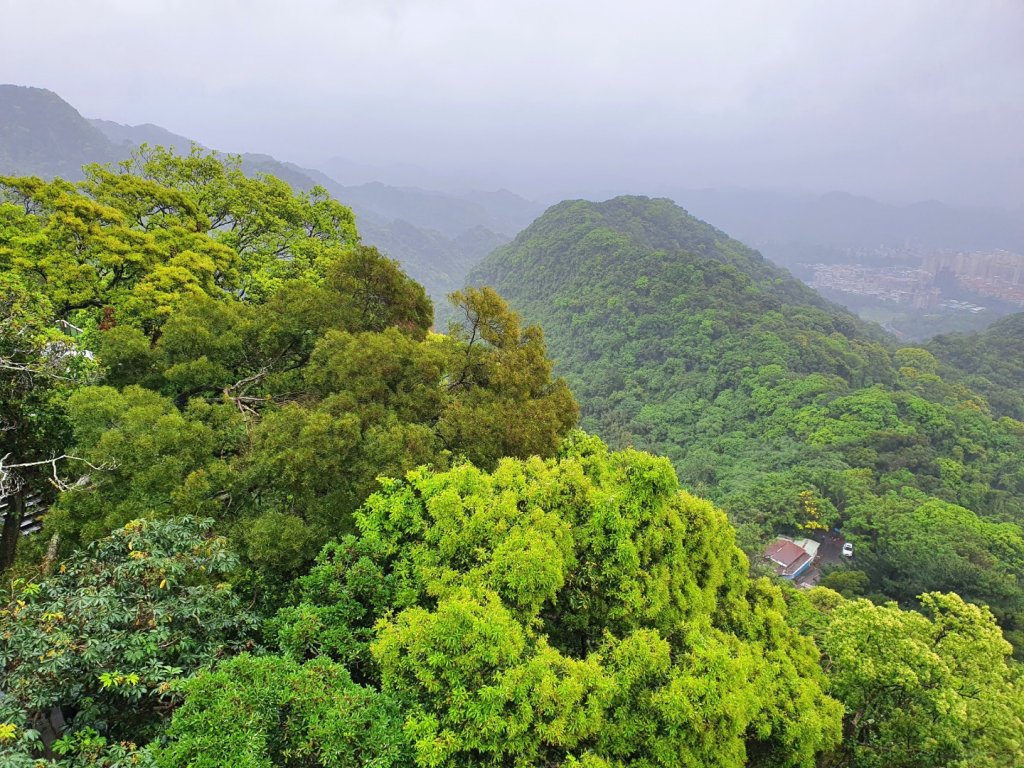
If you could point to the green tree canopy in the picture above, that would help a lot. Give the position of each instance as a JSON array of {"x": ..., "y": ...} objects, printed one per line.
[
  {"x": 260, "y": 712},
  {"x": 255, "y": 363},
  {"x": 929, "y": 688},
  {"x": 99, "y": 643},
  {"x": 909, "y": 549},
  {"x": 582, "y": 608}
]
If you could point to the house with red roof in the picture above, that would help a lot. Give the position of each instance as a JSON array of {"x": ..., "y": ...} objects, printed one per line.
[{"x": 792, "y": 557}]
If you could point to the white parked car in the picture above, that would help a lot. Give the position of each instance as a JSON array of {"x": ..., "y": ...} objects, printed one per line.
[{"x": 848, "y": 549}]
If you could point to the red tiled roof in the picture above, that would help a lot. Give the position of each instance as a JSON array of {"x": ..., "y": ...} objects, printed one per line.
[
  {"x": 787, "y": 555},
  {"x": 784, "y": 552}
]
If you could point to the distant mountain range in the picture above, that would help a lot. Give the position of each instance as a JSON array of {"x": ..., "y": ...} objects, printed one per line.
[
  {"x": 436, "y": 236},
  {"x": 790, "y": 228},
  {"x": 43, "y": 135},
  {"x": 439, "y": 236}
]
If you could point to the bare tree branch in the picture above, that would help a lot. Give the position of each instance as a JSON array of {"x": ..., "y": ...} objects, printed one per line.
[
  {"x": 11, "y": 481},
  {"x": 242, "y": 386}
]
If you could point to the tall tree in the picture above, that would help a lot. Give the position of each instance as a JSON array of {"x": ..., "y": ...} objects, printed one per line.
[
  {"x": 576, "y": 609},
  {"x": 935, "y": 688},
  {"x": 503, "y": 400}
]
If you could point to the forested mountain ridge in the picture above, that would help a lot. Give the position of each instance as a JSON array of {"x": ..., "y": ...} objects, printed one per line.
[
  {"x": 654, "y": 224},
  {"x": 776, "y": 404},
  {"x": 42, "y": 134},
  {"x": 131, "y": 136},
  {"x": 646, "y": 259}
]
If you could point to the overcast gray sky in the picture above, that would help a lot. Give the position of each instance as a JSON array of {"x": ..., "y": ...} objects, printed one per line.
[{"x": 900, "y": 99}]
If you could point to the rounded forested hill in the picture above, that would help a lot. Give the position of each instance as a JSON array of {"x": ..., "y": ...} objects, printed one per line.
[
  {"x": 775, "y": 403},
  {"x": 574, "y": 233},
  {"x": 647, "y": 308}
]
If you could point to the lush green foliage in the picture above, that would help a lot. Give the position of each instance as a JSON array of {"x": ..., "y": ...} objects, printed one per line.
[
  {"x": 911, "y": 546},
  {"x": 993, "y": 362},
  {"x": 256, "y": 364},
  {"x": 782, "y": 408},
  {"x": 100, "y": 641},
  {"x": 216, "y": 370},
  {"x": 579, "y": 609},
  {"x": 935, "y": 688},
  {"x": 258, "y": 712}
]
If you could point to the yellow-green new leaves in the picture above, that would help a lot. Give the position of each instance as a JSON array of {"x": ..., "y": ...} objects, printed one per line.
[
  {"x": 276, "y": 233},
  {"x": 161, "y": 229},
  {"x": 579, "y": 608},
  {"x": 85, "y": 254},
  {"x": 781, "y": 408},
  {"x": 294, "y": 363},
  {"x": 924, "y": 689},
  {"x": 480, "y": 684},
  {"x": 261, "y": 712},
  {"x": 296, "y": 406},
  {"x": 912, "y": 548}
]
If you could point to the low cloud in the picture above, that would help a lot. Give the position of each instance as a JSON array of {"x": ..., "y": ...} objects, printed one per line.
[{"x": 904, "y": 100}]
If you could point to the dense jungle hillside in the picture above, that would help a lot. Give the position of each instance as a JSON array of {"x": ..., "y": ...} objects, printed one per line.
[
  {"x": 990, "y": 362},
  {"x": 284, "y": 523},
  {"x": 779, "y": 406}
]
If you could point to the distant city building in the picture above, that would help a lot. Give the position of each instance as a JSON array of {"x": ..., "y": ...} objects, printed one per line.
[
  {"x": 989, "y": 266},
  {"x": 996, "y": 274},
  {"x": 999, "y": 274}
]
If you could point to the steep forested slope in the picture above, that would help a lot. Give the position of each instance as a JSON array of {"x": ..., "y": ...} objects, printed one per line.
[
  {"x": 438, "y": 262},
  {"x": 42, "y": 134},
  {"x": 991, "y": 362},
  {"x": 650, "y": 309},
  {"x": 677, "y": 339}
]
